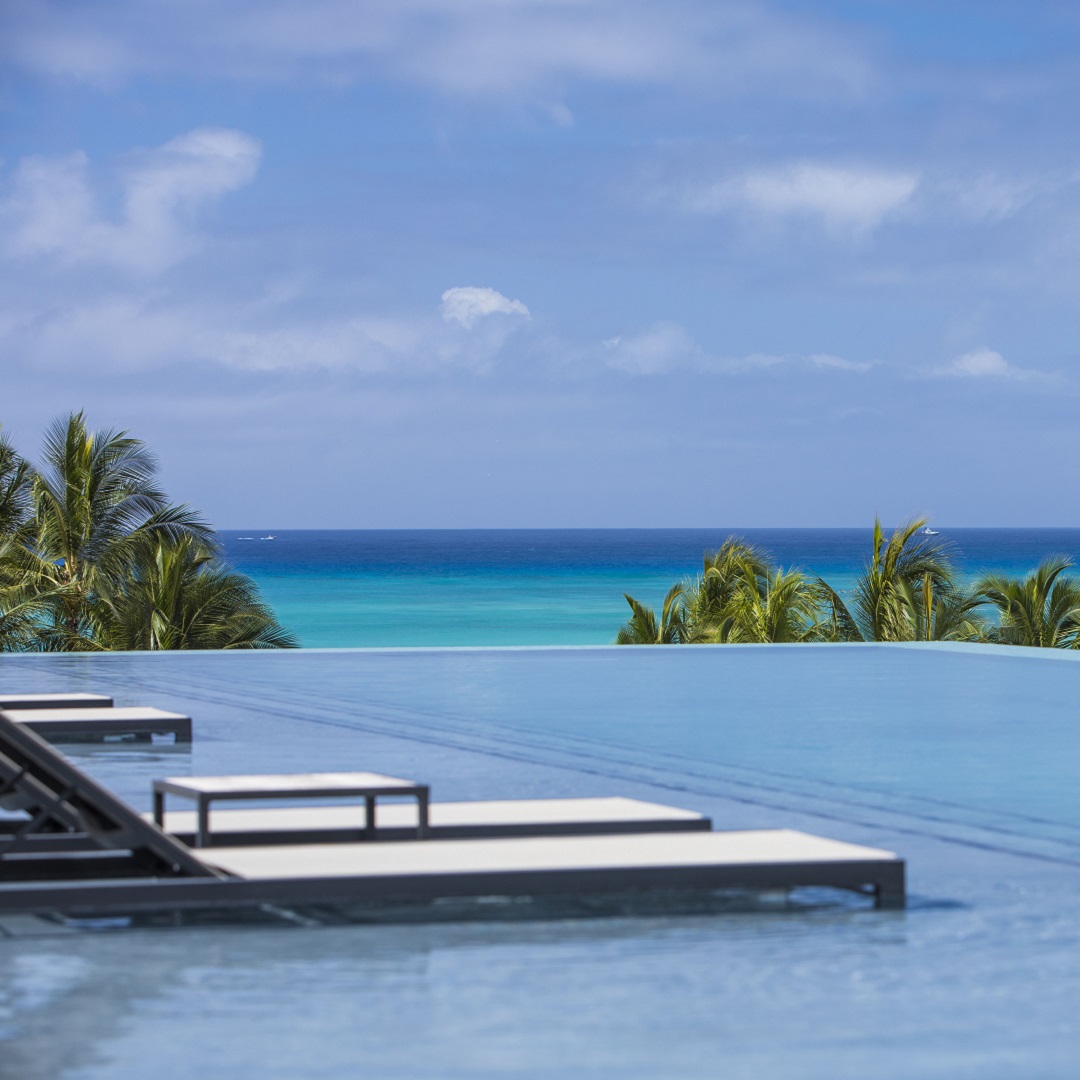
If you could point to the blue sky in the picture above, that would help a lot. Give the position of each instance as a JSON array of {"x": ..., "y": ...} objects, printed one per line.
[{"x": 507, "y": 263}]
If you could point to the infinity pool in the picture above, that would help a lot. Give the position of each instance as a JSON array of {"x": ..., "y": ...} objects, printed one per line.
[{"x": 963, "y": 759}]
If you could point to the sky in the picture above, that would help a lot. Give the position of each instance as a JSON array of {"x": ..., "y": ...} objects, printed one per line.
[{"x": 552, "y": 263}]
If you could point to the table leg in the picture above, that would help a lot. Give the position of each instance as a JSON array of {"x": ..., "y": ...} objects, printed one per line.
[
  {"x": 159, "y": 809},
  {"x": 369, "y": 804},
  {"x": 202, "y": 837},
  {"x": 422, "y": 797}
]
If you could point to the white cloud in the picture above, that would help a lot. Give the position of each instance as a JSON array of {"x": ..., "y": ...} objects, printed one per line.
[
  {"x": 850, "y": 198},
  {"x": 837, "y": 363},
  {"x": 463, "y": 46},
  {"x": 467, "y": 304},
  {"x": 992, "y": 198},
  {"x": 110, "y": 333},
  {"x": 979, "y": 363},
  {"x": 984, "y": 198},
  {"x": 559, "y": 112},
  {"x": 658, "y": 349},
  {"x": 141, "y": 330},
  {"x": 852, "y": 201},
  {"x": 51, "y": 208},
  {"x": 668, "y": 346},
  {"x": 985, "y": 363},
  {"x": 132, "y": 333},
  {"x": 144, "y": 330},
  {"x": 362, "y": 345},
  {"x": 53, "y": 211}
]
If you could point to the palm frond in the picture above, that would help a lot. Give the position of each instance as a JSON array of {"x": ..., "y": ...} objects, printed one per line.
[
  {"x": 1040, "y": 610},
  {"x": 643, "y": 629}
]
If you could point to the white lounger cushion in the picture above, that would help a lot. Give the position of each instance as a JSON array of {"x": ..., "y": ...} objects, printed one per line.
[{"x": 462, "y": 857}]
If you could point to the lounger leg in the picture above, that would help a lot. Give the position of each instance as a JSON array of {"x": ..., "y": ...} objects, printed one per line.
[
  {"x": 159, "y": 809},
  {"x": 890, "y": 889},
  {"x": 422, "y": 798},
  {"x": 202, "y": 837},
  {"x": 369, "y": 803}
]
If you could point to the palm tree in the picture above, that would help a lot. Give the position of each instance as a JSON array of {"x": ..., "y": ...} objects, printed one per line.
[
  {"x": 93, "y": 556},
  {"x": 642, "y": 627},
  {"x": 15, "y": 478},
  {"x": 950, "y": 614},
  {"x": 786, "y": 609},
  {"x": 739, "y": 597},
  {"x": 1043, "y": 609},
  {"x": 890, "y": 590},
  {"x": 23, "y": 604},
  {"x": 178, "y": 596},
  {"x": 96, "y": 512},
  {"x": 728, "y": 572}
]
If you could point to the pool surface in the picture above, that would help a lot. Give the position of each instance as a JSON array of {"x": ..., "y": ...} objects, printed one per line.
[{"x": 962, "y": 759}]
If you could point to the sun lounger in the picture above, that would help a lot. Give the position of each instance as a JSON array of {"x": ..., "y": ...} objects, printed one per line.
[
  {"x": 339, "y": 878},
  {"x": 758, "y": 859},
  {"x": 108, "y": 861},
  {"x": 99, "y": 723}
]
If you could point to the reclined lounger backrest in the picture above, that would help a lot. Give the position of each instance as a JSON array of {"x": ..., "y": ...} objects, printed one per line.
[{"x": 59, "y": 797}]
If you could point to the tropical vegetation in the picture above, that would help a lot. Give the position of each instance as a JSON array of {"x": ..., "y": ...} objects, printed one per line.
[
  {"x": 94, "y": 556},
  {"x": 910, "y": 589}
]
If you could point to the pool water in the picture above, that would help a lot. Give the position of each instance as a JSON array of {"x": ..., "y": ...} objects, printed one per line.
[{"x": 962, "y": 759}]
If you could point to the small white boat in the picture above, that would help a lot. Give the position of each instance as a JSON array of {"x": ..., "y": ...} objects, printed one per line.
[
  {"x": 245, "y": 538},
  {"x": 270, "y": 537},
  {"x": 929, "y": 532}
]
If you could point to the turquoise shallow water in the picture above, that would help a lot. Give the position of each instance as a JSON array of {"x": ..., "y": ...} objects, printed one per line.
[
  {"x": 963, "y": 759},
  {"x": 545, "y": 586}
]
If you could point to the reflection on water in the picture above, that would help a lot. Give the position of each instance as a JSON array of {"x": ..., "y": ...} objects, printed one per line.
[{"x": 376, "y": 990}]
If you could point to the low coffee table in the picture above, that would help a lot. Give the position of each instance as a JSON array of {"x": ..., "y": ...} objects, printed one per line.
[{"x": 208, "y": 789}]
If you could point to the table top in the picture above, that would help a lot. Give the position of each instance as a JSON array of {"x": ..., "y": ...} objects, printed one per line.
[{"x": 288, "y": 784}]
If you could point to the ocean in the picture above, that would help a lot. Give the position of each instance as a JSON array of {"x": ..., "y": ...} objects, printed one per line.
[{"x": 499, "y": 587}]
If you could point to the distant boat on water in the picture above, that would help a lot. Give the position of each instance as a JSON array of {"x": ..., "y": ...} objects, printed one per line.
[
  {"x": 270, "y": 537},
  {"x": 245, "y": 538},
  {"x": 929, "y": 532}
]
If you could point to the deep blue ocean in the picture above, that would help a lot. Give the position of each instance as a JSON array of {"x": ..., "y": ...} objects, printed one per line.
[{"x": 350, "y": 588}]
